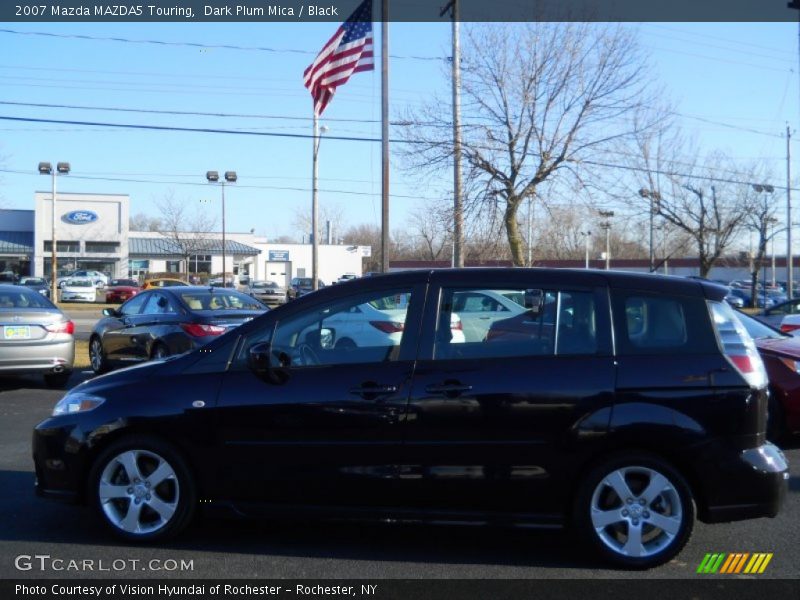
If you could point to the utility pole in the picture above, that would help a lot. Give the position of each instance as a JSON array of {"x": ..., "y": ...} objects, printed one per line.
[
  {"x": 607, "y": 214},
  {"x": 655, "y": 199},
  {"x": 789, "y": 256},
  {"x": 458, "y": 208},
  {"x": 587, "y": 237},
  {"x": 385, "y": 136},
  {"x": 530, "y": 230}
]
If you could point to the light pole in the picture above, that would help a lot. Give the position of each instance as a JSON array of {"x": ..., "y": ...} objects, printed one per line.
[
  {"x": 230, "y": 177},
  {"x": 318, "y": 131},
  {"x": 607, "y": 214},
  {"x": 530, "y": 230},
  {"x": 45, "y": 168},
  {"x": 587, "y": 237},
  {"x": 655, "y": 200}
]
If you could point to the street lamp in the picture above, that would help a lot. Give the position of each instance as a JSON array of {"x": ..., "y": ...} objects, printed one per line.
[
  {"x": 655, "y": 203},
  {"x": 607, "y": 214},
  {"x": 318, "y": 131},
  {"x": 230, "y": 177},
  {"x": 45, "y": 168},
  {"x": 587, "y": 236}
]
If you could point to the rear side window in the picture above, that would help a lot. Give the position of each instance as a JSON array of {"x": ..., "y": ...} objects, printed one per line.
[{"x": 659, "y": 324}]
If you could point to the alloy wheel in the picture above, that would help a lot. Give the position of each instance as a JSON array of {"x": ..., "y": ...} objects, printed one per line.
[
  {"x": 138, "y": 492},
  {"x": 636, "y": 512}
]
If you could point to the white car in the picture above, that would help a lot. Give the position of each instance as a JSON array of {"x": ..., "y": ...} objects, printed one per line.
[
  {"x": 79, "y": 290},
  {"x": 365, "y": 325},
  {"x": 98, "y": 278},
  {"x": 478, "y": 309}
]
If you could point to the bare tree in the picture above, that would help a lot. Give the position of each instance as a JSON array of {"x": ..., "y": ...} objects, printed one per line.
[
  {"x": 327, "y": 212},
  {"x": 761, "y": 219},
  {"x": 539, "y": 98},
  {"x": 185, "y": 231},
  {"x": 429, "y": 228},
  {"x": 143, "y": 222}
]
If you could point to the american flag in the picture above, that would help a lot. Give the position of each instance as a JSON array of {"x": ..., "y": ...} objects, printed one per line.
[{"x": 348, "y": 51}]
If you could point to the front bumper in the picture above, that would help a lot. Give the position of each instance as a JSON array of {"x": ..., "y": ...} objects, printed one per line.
[
  {"x": 59, "y": 457},
  {"x": 751, "y": 485}
]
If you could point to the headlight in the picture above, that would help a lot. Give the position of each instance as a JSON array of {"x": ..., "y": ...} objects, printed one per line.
[{"x": 77, "y": 402}]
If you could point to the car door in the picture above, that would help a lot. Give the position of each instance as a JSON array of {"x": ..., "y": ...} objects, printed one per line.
[
  {"x": 115, "y": 332},
  {"x": 497, "y": 423},
  {"x": 326, "y": 426},
  {"x": 146, "y": 327}
]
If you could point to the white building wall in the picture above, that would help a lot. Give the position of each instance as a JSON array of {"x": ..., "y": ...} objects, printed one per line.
[{"x": 111, "y": 225}]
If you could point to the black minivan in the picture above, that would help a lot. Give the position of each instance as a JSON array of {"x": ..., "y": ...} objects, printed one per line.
[{"x": 622, "y": 405}]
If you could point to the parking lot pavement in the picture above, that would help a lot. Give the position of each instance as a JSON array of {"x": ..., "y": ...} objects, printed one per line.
[{"x": 225, "y": 549}]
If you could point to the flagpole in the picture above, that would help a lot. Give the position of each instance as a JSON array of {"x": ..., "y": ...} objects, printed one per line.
[
  {"x": 385, "y": 136},
  {"x": 315, "y": 207}
]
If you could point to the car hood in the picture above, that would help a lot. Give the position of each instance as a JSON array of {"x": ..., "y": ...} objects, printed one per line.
[{"x": 780, "y": 346}]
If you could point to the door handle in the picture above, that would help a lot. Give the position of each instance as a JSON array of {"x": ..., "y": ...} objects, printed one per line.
[
  {"x": 370, "y": 391},
  {"x": 450, "y": 389}
]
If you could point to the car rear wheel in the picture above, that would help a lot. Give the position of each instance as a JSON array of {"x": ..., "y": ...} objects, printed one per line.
[
  {"x": 97, "y": 357},
  {"x": 636, "y": 510},
  {"x": 142, "y": 490}
]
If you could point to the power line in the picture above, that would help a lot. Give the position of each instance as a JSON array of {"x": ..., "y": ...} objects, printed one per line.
[{"x": 194, "y": 44}]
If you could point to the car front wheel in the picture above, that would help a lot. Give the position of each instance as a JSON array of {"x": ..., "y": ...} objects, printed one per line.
[
  {"x": 636, "y": 510},
  {"x": 142, "y": 490}
]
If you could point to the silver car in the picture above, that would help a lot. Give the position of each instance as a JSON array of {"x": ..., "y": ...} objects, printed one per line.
[
  {"x": 35, "y": 336},
  {"x": 269, "y": 292}
]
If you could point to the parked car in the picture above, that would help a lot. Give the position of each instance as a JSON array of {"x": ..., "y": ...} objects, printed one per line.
[
  {"x": 8, "y": 277},
  {"x": 659, "y": 418},
  {"x": 98, "y": 278},
  {"x": 773, "y": 316},
  {"x": 734, "y": 300},
  {"x": 347, "y": 277},
  {"x": 268, "y": 292},
  {"x": 781, "y": 355},
  {"x": 217, "y": 282},
  {"x": 38, "y": 284},
  {"x": 300, "y": 286},
  {"x": 163, "y": 322},
  {"x": 35, "y": 336},
  {"x": 162, "y": 282},
  {"x": 119, "y": 290},
  {"x": 79, "y": 290},
  {"x": 744, "y": 294}
]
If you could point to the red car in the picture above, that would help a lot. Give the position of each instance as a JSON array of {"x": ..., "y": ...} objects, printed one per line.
[
  {"x": 119, "y": 290},
  {"x": 781, "y": 355}
]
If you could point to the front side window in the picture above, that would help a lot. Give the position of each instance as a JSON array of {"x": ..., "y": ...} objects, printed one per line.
[
  {"x": 367, "y": 328},
  {"x": 158, "y": 304},
  {"x": 134, "y": 305},
  {"x": 494, "y": 323}
]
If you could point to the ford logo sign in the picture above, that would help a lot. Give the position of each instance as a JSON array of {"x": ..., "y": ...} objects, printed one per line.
[{"x": 80, "y": 217}]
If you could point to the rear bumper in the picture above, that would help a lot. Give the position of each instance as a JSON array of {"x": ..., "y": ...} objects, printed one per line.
[
  {"x": 758, "y": 480},
  {"x": 38, "y": 357}
]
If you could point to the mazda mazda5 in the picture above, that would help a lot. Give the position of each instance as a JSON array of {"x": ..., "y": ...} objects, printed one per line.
[{"x": 624, "y": 406}]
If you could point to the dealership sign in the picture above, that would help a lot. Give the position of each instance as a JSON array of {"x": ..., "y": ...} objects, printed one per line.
[
  {"x": 279, "y": 256},
  {"x": 80, "y": 217}
]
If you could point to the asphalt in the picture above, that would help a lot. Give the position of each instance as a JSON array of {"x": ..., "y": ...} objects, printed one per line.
[{"x": 302, "y": 550}]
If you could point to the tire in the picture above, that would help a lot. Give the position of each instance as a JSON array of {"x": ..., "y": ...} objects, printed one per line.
[
  {"x": 776, "y": 420},
  {"x": 97, "y": 357},
  {"x": 129, "y": 501},
  {"x": 57, "y": 380},
  {"x": 663, "y": 520},
  {"x": 159, "y": 351}
]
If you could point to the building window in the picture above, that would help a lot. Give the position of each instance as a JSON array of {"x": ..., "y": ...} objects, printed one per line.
[
  {"x": 173, "y": 266},
  {"x": 102, "y": 247},
  {"x": 200, "y": 263},
  {"x": 62, "y": 246}
]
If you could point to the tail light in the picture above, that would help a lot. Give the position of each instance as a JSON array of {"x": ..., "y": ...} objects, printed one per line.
[
  {"x": 789, "y": 327},
  {"x": 388, "y": 326},
  {"x": 738, "y": 346},
  {"x": 62, "y": 327},
  {"x": 202, "y": 329}
]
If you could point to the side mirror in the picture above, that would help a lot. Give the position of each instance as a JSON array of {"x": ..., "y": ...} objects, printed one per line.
[
  {"x": 110, "y": 312},
  {"x": 259, "y": 360}
]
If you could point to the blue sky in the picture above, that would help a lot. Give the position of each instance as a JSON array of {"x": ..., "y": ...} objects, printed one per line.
[{"x": 741, "y": 76}]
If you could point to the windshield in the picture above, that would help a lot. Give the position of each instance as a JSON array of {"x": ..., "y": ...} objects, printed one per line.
[
  {"x": 220, "y": 300},
  {"x": 79, "y": 283},
  {"x": 126, "y": 282},
  {"x": 759, "y": 330}
]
